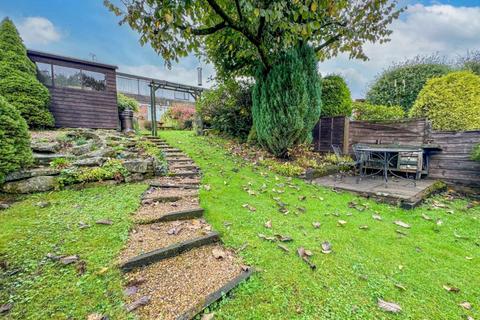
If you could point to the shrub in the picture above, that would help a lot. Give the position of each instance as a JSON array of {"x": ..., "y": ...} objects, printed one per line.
[
  {"x": 15, "y": 152},
  {"x": 227, "y": 108},
  {"x": 18, "y": 82},
  {"x": 126, "y": 103},
  {"x": 470, "y": 62},
  {"x": 451, "y": 102},
  {"x": 336, "y": 98},
  {"x": 401, "y": 83},
  {"x": 287, "y": 101},
  {"x": 475, "y": 155},
  {"x": 180, "y": 116},
  {"x": 366, "y": 111}
]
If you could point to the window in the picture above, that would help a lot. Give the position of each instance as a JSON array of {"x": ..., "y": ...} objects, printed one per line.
[
  {"x": 44, "y": 73},
  {"x": 93, "y": 80},
  {"x": 67, "y": 77},
  {"x": 127, "y": 85}
]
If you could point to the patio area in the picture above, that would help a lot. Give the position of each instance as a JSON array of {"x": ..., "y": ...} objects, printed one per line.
[{"x": 397, "y": 191}]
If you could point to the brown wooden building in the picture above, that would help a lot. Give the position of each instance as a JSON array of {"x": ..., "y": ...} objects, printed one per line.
[{"x": 83, "y": 93}]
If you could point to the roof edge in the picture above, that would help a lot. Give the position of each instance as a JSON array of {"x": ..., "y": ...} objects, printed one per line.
[{"x": 70, "y": 59}]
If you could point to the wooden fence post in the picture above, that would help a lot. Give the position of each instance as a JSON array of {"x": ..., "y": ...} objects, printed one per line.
[{"x": 346, "y": 130}]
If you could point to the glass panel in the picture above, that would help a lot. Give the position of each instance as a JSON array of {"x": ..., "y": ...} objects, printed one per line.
[
  {"x": 44, "y": 73},
  {"x": 67, "y": 77},
  {"x": 127, "y": 85},
  {"x": 144, "y": 89},
  {"x": 160, "y": 110},
  {"x": 93, "y": 80},
  {"x": 180, "y": 95}
]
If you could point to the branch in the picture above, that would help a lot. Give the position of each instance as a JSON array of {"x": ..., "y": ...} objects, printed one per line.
[
  {"x": 328, "y": 42},
  {"x": 261, "y": 27},
  {"x": 239, "y": 10},
  {"x": 206, "y": 31}
]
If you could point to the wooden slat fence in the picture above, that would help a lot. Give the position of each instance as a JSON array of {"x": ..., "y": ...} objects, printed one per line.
[{"x": 452, "y": 164}]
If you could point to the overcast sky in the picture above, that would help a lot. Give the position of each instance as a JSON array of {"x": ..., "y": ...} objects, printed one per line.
[{"x": 82, "y": 28}]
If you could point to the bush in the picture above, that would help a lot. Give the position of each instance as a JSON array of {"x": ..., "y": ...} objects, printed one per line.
[
  {"x": 336, "y": 98},
  {"x": 179, "y": 116},
  {"x": 15, "y": 152},
  {"x": 126, "y": 103},
  {"x": 370, "y": 112},
  {"x": 475, "y": 156},
  {"x": 470, "y": 62},
  {"x": 18, "y": 82},
  {"x": 451, "y": 102},
  {"x": 287, "y": 101},
  {"x": 401, "y": 83},
  {"x": 227, "y": 108}
]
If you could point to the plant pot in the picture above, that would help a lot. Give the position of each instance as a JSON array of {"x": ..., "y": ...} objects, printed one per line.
[{"x": 126, "y": 120}]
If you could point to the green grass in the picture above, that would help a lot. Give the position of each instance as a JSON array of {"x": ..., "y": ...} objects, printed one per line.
[
  {"x": 40, "y": 288},
  {"x": 364, "y": 265}
]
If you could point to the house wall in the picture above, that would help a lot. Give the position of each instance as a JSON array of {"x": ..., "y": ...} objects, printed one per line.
[{"x": 76, "y": 107}]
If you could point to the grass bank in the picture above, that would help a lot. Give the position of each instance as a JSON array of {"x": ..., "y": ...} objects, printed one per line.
[
  {"x": 40, "y": 287},
  {"x": 370, "y": 259}
]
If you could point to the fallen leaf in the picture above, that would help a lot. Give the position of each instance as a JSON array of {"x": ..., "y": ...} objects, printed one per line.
[
  {"x": 102, "y": 271},
  {"x": 377, "y": 217},
  {"x": 207, "y": 187},
  {"x": 208, "y": 316},
  {"x": 137, "y": 303},
  {"x": 264, "y": 237},
  {"x": 439, "y": 222},
  {"x": 326, "y": 247},
  {"x": 283, "y": 238},
  {"x": 316, "y": 224},
  {"x": 81, "y": 267},
  {"x": 135, "y": 282},
  {"x": 96, "y": 316},
  {"x": 399, "y": 286},
  {"x": 302, "y": 198},
  {"x": 364, "y": 227},
  {"x": 342, "y": 222},
  {"x": 402, "y": 224},
  {"x": 68, "y": 259},
  {"x": 389, "y": 306},
  {"x": 450, "y": 288},
  {"x": 283, "y": 247},
  {"x": 424, "y": 216},
  {"x": 466, "y": 305},
  {"x": 130, "y": 290},
  {"x": 83, "y": 225},
  {"x": 174, "y": 231},
  {"x": 468, "y": 258},
  {"x": 268, "y": 224},
  {"x": 218, "y": 253},
  {"x": 242, "y": 247},
  {"x": 4, "y": 308},
  {"x": 403, "y": 233},
  {"x": 105, "y": 222},
  {"x": 245, "y": 268},
  {"x": 43, "y": 204},
  {"x": 304, "y": 254}
]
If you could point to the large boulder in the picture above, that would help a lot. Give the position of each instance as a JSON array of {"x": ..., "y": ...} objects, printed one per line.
[
  {"x": 28, "y": 173},
  {"x": 82, "y": 149},
  {"x": 45, "y": 147},
  {"x": 89, "y": 162},
  {"x": 137, "y": 166},
  {"x": 102, "y": 152},
  {"x": 34, "y": 184}
]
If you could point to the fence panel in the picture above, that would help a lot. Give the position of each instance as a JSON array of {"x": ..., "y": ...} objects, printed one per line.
[{"x": 328, "y": 131}]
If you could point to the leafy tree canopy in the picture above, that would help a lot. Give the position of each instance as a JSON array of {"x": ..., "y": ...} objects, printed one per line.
[
  {"x": 336, "y": 97},
  {"x": 238, "y": 34}
]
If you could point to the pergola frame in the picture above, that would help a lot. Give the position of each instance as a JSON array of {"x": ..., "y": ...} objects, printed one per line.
[{"x": 154, "y": 85}]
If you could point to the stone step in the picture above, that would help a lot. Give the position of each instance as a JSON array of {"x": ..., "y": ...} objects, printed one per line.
[
  {"x": 184, "y": 174},
  {"x": 172, "y": 185},
  {"x": 174, "y": 154},
  {"x": 182, "y": 286},
  {"x": 168, "y": 252},
  {"x": 180, "y": 160},
  {"x": 170, "y": 150},
  {"x": 175, "y": 215},
  {"x": 184, "y": 167}
]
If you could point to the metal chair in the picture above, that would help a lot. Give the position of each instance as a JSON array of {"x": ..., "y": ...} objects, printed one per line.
[{"x": 339, "y": 154}]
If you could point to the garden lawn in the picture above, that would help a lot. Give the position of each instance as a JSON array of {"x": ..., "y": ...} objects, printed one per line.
[
  {"x": 365, "y": 265},
  {"x": 41, "y": 288}
]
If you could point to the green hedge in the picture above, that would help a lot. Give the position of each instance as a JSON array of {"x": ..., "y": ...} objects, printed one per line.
[
  {"x": 476, "y": 153},
  {"x": 451, "y": 102},
  {"x": 366, "y": 111},
  {"x": 336, "y": 97},
  {"x": 287, "y": 101},
  {"x": 227, "y": 108},
  {"x": 18, "y": 82},
  {"x": 125, "y": 102},
  {"x": 401, "y": 83},
  {"x": 15, "y": 151}
]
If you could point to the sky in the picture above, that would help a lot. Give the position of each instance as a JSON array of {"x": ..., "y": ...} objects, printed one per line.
[{"x": 85, "y": 28}]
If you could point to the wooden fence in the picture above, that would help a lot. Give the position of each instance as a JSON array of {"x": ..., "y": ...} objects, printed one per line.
[{"x": 452, "y": 164}]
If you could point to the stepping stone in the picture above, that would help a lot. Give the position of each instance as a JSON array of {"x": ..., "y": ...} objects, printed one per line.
[
  {"x": 183, "y": 166},
  {"x": 132, "y": 261},
  {"x": 184, "y": 174},
  {"x": 182, "y": 286}
]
